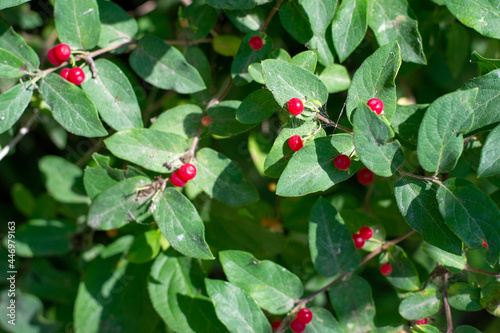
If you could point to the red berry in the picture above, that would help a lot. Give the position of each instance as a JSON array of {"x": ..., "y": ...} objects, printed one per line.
[
  {"x": 275, "y": 324},
  {"x": 296, "y": 326},
  {"x": 359, "y": 242},
  {"x": 342, "y": 162},
  {"x": 366, "y": 233},
  {"x": 376, "y": 105},
  {"x": 484, "y": 243},
  {"x": 256, "y": 43},
  {"x": 295, "y": 106},
  {"x": 386, "y": 269},
  {"x": 295, "y": 142},
  {"x": 305, "y": 316},
  {"x": 64, "y": 73},
  {"x": 76, "y": 75},
  {"x": 423, "y": 321},
  {"x": 52, "y": 58},
  {"x": 176, "y": 180},
  {"x": 62, "y": 52},
  {"x": 187, "y": 171},
  {"x": 206, "y": 121},
  {"x": 365, "y": 176}
]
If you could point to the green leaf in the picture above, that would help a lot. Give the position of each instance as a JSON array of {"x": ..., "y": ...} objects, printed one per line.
[
  {"x": 246, "y": 56},
  {"x": 221, "y": 179},
  {"x": 11, "y": 3},
  {"x": 255, "y": 71},
  {"x": 232, "y": 5},
  {"x": 349, "y": 27},
  {"x": 457, "y": 50},
  {"x": 320, "y": 44},
  {"x": 490, "y": 298},
  {"x": 287, "y": 81},
  {"x": 323, "y": 322},
  {"x": 489, "y": 164},
  {"x": 471, "y": 215},
  {"x": 148, "y": 148},
  {"x": 77, "y": 23},
  {"x": 375, "y": 78},
  {"x": 13, "y": 102},
  {"x": 375, "y": 146},
  {"x": 62, "y": 179},
  {"x": 248, "y": 19},
  {"x": 454, "y": 263},
  {"x": 172, "y": 282},
  {"x": 23, "y": 199},
  {"x": 119, "y": 204},
  {"x": 404, "y": 275},
  {"x": 353, "y": 303},
  {"x": 485, "y": 105},
  {"x": 406, "y": 121},
  {"x": 145, "y": 247},
  {"x": 189, "y": 115},
  {"x": 236, "y": 309},
  {"x": 15, "y": 44},
  {"x": 71, "y": 107},
  {"x": 10, "y": 65},
  {"x": 117, "y": 26},
  {"x": 421, "y": 304},
  {"x": 306, "y": 60},
  {"x": 417, "y": 203},
  {"x": 320, "y": 13},
  {"x": 224, "y": 122},
  {"x": 440, "y": 137},
  {"x": 181, "y": 225},
  {"x": 330, "y": 243},
  {"x": 311, "y": 169},
  {"x": 485, "y": 65},
  {"x": 165, "y": 67},
  {"x": 200, "y": 17},
  {"x": 110, "y": 294},
  {"x": 336, "y": 78},
  {"x": 466, "y": 329},
  {"x": 226, "y": 45},
  {"x": 113, "y": 96},
  {"x": 273, "y": 287},
  {"x": 256, "y": 107},
  {"x": 394, "y": 20},
  {"x": 295, "y": 21},
  {"x": 464, "y": 297},
  {"x": 480, "y": 15},
  {"x": 40, "y": 238},
  {"x": 280, "y": 153}
]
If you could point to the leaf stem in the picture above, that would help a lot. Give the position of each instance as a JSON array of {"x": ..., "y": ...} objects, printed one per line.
[
  {"x": 336, "y": 125},
  {"x": 432, "y": 179},
  {"x": 270, "y": 16},
  {"x": 22, "y": 132},
  {"x": 449, "y": 321}
]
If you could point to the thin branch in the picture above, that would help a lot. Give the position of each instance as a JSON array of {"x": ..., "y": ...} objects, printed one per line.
[
  {"x": 88, "y": 154},
  {"x": 336, "y": 125},
  {"x": 22, "y": 132},
  {"x": 432, "y": 179},
  {"x": 371, "y": 255},
  {"x": 270, "y": 16},
  {"x": 188, "y": 42},
  {"x": 480, "y": 271},
  {"x": 222, "y": 93},
  {"x": 449, "y": 321}
]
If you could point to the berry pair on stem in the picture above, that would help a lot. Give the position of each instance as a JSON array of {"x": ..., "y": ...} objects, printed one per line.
[
  {"x": 74, "y": 75},
  {"x": 365, "y": 233},
  {"x": 181, "y": 176},
  {"x": 59, "y": 54},
  {"x": 304, "y": 317}
]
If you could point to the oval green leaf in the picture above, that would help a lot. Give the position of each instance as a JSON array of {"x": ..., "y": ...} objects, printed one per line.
[
  {"x": 489, "y": 164},
  {"x": 256, "y": 107},
  {"x": 224, "y": 122},
  {"x": 421, "y": 304},
  {"x": 117, "y": 26},
  {"x": 13, "y": 102},
  {"x": 246, "y": 56},
  {"x": 77, "y": 23},
  {"x": 464, "y": 297},
  {"x": 349, "y": 27}
]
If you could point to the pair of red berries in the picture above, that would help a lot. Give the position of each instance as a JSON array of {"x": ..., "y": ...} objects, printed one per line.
[
  {"x": 182, "y": 175},
  {"x": 59, "y": 54},
  {"x": 304, "y": 317},
  {"x": 74, "y": 75},
  {"x": 365, "y": 233}
]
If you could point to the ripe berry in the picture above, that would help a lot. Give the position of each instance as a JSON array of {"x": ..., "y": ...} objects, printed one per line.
[
  {"x": 376, "y": 105},
  {"x": 295, "y": 142},
  {"x": 296, "y": 326},
  {"x": 365, "y": 176},
  {"x": 366, "y": 233},
  {"x": 76, "y": 75},
  {"x": 206, "y": 121},
  {"x": 255, "y": 43},
  {"x": 386, "y": 269},
  {"x": 423, "y": 321},
  {"x": 176, "y": 180},
  {"x": 359, "y": 242},
  {"x": 305, "y": 316},
  {"x": 342, "y": 162},
  {"x": 187, "y": 172},
  {"x": 275, "y": 324},
  {"x": 295, "y": 106},
  {"x": 484, "y": 243},
  {"x": 52, "y": 58},
  {"x": 64, "y": 73},
  {"x": 62, "y": 52}
]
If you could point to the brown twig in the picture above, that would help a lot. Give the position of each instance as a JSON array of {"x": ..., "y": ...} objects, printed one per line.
[
  {"x": 88, "y": 154},
  {"x": 22, "y": 132},
  {"x": 432, "y": 179},
  {"x": 222, "y": 93},
  {"x": 334, "y": 124},
  {"x": 270, "y": 16},
  {"x": 480, "y": 271},
  {"x": 449, "y": 321},
  {"x": 300, "y": 303},
  {"x": 188, "y": 42}
]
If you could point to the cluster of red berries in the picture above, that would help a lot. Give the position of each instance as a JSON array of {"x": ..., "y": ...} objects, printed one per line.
[
  {"x": 256, "y": 43},
  {"x": 365, "y": 233},
  {"x": 376, "y": 105},
  {"x": 59, "y": 54},
  {"x": 304, "y": 317},
  {"x": 74, "y": 75},
  {"x": 182, "y": 175}
]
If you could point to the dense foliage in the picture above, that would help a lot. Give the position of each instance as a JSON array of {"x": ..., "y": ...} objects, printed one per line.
[{"x": 226, "y": 165}]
